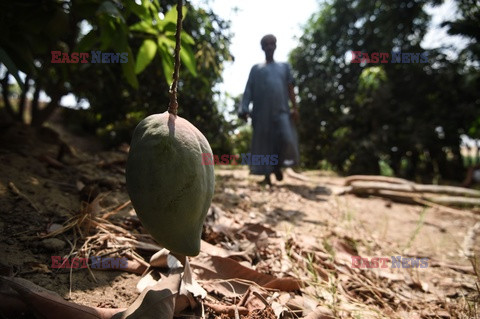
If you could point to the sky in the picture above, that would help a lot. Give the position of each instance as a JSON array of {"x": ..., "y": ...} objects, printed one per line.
[{"x": 253, "y": 20}]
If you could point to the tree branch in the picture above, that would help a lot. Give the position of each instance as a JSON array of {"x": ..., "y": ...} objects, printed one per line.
[
  {"x": 5, "y": 94},
  {"x": 41, "y": 115},
  {"x": 35, "y": 107},
  {"x": 23, "y": 100}
]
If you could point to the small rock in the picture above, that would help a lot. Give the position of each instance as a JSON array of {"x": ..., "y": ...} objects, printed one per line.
[
  {"x": 53, "y": 244},
  {"x": 54, "y": 227}
]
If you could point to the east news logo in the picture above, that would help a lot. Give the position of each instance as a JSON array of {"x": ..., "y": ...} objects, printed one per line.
[
  {"x": 381, "y": 262},
  {"x": 84, "y": 57},
  {"x": 382, "y": 57},
  {"x": 95, "y": 262}
]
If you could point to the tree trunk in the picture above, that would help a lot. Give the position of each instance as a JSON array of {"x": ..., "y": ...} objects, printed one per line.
[
  {"x": 39, "y": 116},
  {"x": 23, "y": 100},
  {"x": 5, "y": 95}
]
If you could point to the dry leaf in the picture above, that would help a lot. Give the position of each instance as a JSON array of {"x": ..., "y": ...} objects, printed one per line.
[
  {"x": 163, "y": 259},
  {"x": 278, "y": 309},
  {"x": 159, "y": 259},
  {"x": 47, "y": 304},
  {"x": 190, "y": 284},
  {"x": 253, "y": 231},
  {"x": 149, "y": 280},
  {"x": 218, "y": 270},
  {"x": 321, "y": 312},
  {"x": 157, "y": 301},
  {"x": 221, "y": 252}
]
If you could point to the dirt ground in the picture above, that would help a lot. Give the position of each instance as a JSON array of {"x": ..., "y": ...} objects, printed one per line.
[{"x": 316, "y": 226}]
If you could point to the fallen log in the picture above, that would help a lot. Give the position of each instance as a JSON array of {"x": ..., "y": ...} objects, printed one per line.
[
  {"x": 375, "y": 178},
  {"x": 439, "y": 196},
  {"x": 454, "y": 200},
  {"x": 442, "y": 189},
  {"x": 360, "y": 186},
  {"x": 369, "y": 186}
]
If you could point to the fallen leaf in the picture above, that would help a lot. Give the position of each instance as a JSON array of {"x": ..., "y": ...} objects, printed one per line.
[
  {"x": 47, "y": 304},
  {"x": 190, "y": 284},
  {"x": 221, "y": 252},
  {"x": 252, "y": 231},
  {"x": 303, "y": 303},
  {"x": 157, "y": 301},
  {"x": 320, "y": 312},
  {"x": 149, "y": 280},
  {"x": 230, "y": 278},
  {"x": 163, "y": 259},
  {"x": 278, "y": 309}
]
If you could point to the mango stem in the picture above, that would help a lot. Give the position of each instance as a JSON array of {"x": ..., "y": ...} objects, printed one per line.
[{"x": 173, "y": 106}]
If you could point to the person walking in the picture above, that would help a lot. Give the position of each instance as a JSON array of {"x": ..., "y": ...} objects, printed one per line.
[{"x": 269, "y": 88}]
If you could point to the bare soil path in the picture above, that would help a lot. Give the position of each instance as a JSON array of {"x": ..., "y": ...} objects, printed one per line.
[{"x": 317, "y": 231}]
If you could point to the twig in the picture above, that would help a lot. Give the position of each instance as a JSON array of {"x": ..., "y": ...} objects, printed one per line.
[
  {"x": 116, "y": 210},
  {"x": 17, "y": 192},
  {"x": 172, "y": 108},
  {"x": 230, "y": 310},
  {"x": 259, "y": 296}
]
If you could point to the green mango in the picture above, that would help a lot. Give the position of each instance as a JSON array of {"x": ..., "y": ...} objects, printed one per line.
[{"x": 170, "y": 189}]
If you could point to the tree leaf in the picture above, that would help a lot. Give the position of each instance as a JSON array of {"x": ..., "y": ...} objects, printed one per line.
[
  {"x": 87, "y": 42},
  {"x": 146, "y": 53},
  {"x": 12, "y": 68},
  {"x": 172, "y": 15},
  {"x": 186, "y": 38},
  {"x": 139, "y": 10},
  {"x": 109, "y": 8},
  {"x": 188, "y": 59},
  {"x": 167, "y": 65},
  {"x": 165, "y": 41},
  {"x": 144, "y": 26},
  {"x": 129, "y": 69}
]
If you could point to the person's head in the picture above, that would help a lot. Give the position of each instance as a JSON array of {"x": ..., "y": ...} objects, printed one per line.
[{"x": 269, "y": 44}]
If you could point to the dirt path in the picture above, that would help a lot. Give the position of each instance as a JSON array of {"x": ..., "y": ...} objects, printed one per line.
[{"x": 310, "y": 219}]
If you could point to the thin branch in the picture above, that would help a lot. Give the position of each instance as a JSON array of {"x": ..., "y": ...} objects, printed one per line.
[
  {"x": 23, "y": 99},
  {"x": 35, "y": 105},
  {"x": 41, "y": 115},
  {"x": 172, "y": 108},
  {"x": 5, "y": 94}
]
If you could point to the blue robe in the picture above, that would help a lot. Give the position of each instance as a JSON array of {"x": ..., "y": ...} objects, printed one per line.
[{"x": 273, "y": 131}]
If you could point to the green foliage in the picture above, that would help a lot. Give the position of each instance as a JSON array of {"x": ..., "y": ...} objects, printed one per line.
[
  {"x": 10, "y": 65},
  {"x": 357, "y": 115},
  {"x": 30, "y": 31},
  {"x": 371, "y": 78},
  {"x": 117, "y": 107},
  {"x": 146, "y": 53},
  {"x": 468, "y": 26},
  {"x": 120, "y": 95},
  {"x": 241, "y": 139}
]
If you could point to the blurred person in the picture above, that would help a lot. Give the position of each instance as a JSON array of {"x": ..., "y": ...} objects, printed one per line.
[{"x": 269, "y": 87}]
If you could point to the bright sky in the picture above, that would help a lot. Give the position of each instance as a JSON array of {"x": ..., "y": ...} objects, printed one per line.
[{"x": 253, "y": 20}]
